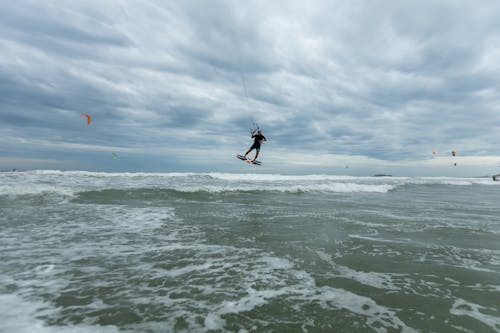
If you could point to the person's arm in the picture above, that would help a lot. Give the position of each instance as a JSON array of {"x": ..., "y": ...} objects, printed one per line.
[{"x": 264, "y": 139}]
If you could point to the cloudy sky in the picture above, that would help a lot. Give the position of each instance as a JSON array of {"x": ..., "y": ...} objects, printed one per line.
[{"x": 174, "y": 85}]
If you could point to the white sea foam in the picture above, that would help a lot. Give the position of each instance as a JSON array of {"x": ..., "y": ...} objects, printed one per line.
[
  {"x": 458, "y": 181},
  {"x": 378, "y": 317},
  {"x": 373, "y": 279},
  {"x": 135, "y": 219},
  {"x": 486, "y": 287},
  {"x": 44, "y": 269},
  {"x": 35, "y": 189},
  {"x": 300, "y": 290},
  {"x": 278, "y": 177},
  {"x": 476, "y": 311},
  {"x": 381, "y": 240},
  {"x": 67, "y": 183},
  {"x": 109, "y": 174},
  {"x": 332, "y": 187},
  {"x": 179, "y": 268},
  {"x": 253, "y": 177},
  {"x": 19, "y": 315}
]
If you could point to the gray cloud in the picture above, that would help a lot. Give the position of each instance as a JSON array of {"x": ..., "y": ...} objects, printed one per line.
[{"x": 386, "y": 80}]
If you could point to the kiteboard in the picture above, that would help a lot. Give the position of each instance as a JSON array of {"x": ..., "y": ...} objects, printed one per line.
[{"x": 243, "y": 158}]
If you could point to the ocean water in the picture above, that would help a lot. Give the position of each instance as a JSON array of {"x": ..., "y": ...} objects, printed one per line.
[{"x": 192, "y": 252}]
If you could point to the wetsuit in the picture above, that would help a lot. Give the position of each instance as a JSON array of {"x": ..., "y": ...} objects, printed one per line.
[{"x": 257, "y": 140}]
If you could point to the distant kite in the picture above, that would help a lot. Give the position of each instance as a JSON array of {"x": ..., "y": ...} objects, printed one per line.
[
  {"x": 88, "y": 117},
  {"x": 115, "y": 156}
]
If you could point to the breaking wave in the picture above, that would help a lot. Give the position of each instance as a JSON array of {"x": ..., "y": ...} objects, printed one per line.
[{"x": 69, "y": 183}]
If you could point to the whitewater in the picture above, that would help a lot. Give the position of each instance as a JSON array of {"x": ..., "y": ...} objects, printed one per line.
[{"x": 219, "y": 252}]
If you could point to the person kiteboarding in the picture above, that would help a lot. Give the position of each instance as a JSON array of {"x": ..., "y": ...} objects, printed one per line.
[{"x": 258, "y": 139}]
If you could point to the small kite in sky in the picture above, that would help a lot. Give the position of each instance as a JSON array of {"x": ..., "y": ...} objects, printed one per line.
[{"x": 89, "y": 119}]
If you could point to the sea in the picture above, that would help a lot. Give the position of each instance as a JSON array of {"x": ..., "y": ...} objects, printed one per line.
[{"x": 222, "y": 252}]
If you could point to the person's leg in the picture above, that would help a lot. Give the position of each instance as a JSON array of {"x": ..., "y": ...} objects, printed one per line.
[
  {"x": 249, "y": 150},
  {"x": 256, "y": 154}
]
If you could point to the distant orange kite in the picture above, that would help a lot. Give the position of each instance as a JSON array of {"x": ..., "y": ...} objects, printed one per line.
[{"x": 88, "y": 117}]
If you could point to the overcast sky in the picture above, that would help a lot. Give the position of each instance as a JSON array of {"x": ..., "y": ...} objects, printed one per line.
[{"x": 374, "y": 86}]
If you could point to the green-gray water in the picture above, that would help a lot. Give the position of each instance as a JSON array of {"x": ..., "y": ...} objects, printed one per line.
[{"x": 103, "y": 252}]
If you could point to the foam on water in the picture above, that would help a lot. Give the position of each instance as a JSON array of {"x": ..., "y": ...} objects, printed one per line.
[
  {"x": 476, "y": 311},
  {"x": 333, "y": 187},
  {"x": 234, "y": 177},
  {"x": 135, "y": 219},
  {"x": 263, "y": 278},
  {"x": 108, "y": 237},
  {"x": 303, "y": 292},
  {"x": 377, "y": 280},
  {"x": 35, "y": 189},
  {"x": 277, "y": 177},
  {"x": 133, "y": 251},
  {"x": 67, "y": 183},
  {"x": 109, "y": 174},
  {"x": 20, "y": 315}
]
